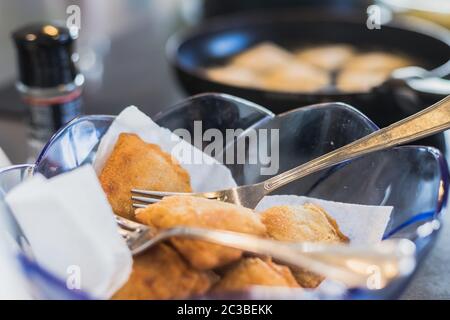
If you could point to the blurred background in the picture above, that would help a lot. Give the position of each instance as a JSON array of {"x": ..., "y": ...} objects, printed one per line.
[
  {"x": 121, "y": 49},
  {"x": 121, "y": 53}
]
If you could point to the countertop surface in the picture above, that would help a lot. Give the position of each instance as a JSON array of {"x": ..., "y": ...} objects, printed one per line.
[{"x": 128, "y": 66}]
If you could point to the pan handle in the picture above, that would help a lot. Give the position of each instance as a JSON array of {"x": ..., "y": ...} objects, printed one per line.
[
  {"x": 430, "y": 86},
  {"x": 414, "y": 88},
  {"x": 423, "y": 81}
]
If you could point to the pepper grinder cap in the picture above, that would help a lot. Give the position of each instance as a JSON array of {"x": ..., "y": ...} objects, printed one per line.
[{"x": 45, "y": 55}]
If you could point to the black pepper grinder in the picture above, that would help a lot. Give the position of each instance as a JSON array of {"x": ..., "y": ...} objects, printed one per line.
[{"x": 49, "y": 82}]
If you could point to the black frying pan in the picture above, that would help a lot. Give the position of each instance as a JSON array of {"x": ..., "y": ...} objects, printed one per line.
[{"x": 214, "y": 42}]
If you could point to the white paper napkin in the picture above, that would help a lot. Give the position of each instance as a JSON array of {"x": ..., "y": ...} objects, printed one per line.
[
  {"x": 4, "y": 161},
  {"x": 210, "y": 175},
  {"x": 13, "y": 285},
  {"x": 72, "y": 232}
]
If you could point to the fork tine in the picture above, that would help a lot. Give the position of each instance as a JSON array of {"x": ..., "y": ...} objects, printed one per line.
[
  {"x": 142, "y": 198},
  {"x": 158, "y": 193},
  {"x": 139, "y": 206},
  {"x": 128, "y": 224},
  {"x": 145, "y": 199},
  {"x": 125, "y": 234}
]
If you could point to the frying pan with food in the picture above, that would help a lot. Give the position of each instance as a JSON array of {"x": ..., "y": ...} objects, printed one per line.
[{"x": 213, "y": 43}]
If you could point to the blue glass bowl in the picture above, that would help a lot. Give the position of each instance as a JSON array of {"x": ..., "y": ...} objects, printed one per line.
[{"x": 412, "y": 179}]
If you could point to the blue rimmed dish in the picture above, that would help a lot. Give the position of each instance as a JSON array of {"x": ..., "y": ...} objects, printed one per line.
[{"x": 412, "y": 179}]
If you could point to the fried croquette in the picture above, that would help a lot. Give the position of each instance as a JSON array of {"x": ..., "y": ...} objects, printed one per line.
[
  {"x": 136, "y": 164},
  {"x": 255, "y": 271},
  {"x": 235, "y": 75},
  {"x": 199, "y": 212},
  {"x": 263, "y": 57},
  {"x": 297, "y": 77},
  {"x": 360, "y": 80},
  {"x": 309, "y": 223},
  {"x": 327, "y": 57},
  {"x": 368, "y": 70},
  {"x": 372, "y": 61},
  {"x": 161, "y": 273},
  {"x": 301, "y": 223}
]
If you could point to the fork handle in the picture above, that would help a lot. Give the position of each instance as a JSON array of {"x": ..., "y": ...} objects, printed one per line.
[
  {"x": 347, "y": 264},
  {"x": 429, "y": 121}
]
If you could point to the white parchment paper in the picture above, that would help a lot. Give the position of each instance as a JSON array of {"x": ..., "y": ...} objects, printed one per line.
[{"x": 72, "y": 231}]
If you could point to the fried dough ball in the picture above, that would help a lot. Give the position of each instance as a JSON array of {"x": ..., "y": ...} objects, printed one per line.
[
  {"x": 136, "y": 164},
  {"x": 199, "y": 212},
  {"x": 372, "y": 61},
  {"x": 234, "y": 75},
  {"x": 360, "y": 81},
  {"x": 255, "y": 271},
  {"x": 161, "y": 273},
  {"x": 297, "y": 77},
  {"x": 263, "y": 57},
  {"x": 307, "y": 223},
  {"x": 327, "y": 57}
]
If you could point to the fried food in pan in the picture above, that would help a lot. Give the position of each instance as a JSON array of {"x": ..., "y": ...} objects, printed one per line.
[
  {"x": 372, "y": 61},
  {"x": 161, "y": 273},
  {"x": 297, "y": 77},
  {"x": 368, "y": 70},
  {"x": 360, "y": 80},
  {"x": 199, "y": 212},
  {"x": 235, "y": 75},
  {"x": 255, "y": 271},
  {"x": 327, "y": 57},
  {"x": 309, "y": 223},
  {"x": 136, "y": 164},
  {"x": 263, "y": 57}
]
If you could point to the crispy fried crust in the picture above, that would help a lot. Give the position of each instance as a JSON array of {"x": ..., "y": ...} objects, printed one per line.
[
  {"x": 235, "y": 75},
  {"x": 302, "y": 223},
  {"x": 360, "y": 80},
  {"x": 263, "y": 57},
  {"x": 306, "y": 278},
  {"x": 136, "y": 164},
  {"x": 255, "y": 271},
  {"x": 199, "y": 212},
  {"x": 372, "y": 61},
  {"x": 328, "y": 57},
  {"x": 161, "y": 273},
  {"x": 297, "y": 77}
]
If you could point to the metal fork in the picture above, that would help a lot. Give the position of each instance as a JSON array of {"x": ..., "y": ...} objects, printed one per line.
[
  {"x": 429, "y": 121},
  {"x": 350, "y": 265}
]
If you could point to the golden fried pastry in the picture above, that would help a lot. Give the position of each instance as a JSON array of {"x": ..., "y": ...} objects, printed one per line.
[
  {"x": 136, "y": 164},
  {"x": 234, "y": 75},
  {"x": 161, "y": 273},
  {"x": 302, "y": 223},
  {"x": 360, "y": 80},
  {"x": 373, "y": 61},
  {"x": 328, "y": 57},
  {"x": 255, "y": 271},
  {"x": 306, "y": 278},
  {"x": 297, "y": 77},
  {"x": 263, "y": 57},
  {"x": 199, "y": 212}
]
